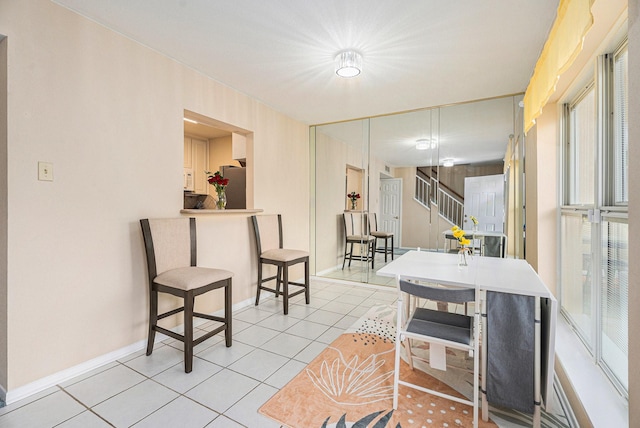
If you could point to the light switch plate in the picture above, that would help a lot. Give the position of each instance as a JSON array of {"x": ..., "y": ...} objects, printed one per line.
[{"x": 45, "y": 171}]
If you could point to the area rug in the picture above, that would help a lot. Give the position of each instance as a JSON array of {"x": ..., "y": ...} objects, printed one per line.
[{"x": 350, "y": 384}]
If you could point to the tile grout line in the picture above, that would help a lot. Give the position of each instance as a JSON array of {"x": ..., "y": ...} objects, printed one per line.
[{"x": 83, "y": 405}]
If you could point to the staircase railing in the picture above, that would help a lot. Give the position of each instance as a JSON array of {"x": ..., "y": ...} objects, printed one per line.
[
  {"x": 423, "y": 192},
  {"x": 450, "y": 207}
]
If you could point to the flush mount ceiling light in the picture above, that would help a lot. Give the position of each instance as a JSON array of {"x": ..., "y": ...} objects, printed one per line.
[
  {"x": 447, "y": 162},
  {"x": 189, "y": 120},
  {"x": 348, "y": 64},
  {"x": 422, "y": 144}
]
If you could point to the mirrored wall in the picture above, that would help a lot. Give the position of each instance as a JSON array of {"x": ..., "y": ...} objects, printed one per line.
[{"x": 405, "y": 174}]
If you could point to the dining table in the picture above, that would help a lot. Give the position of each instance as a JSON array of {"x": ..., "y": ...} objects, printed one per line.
[{"x": 518, "y": 322}]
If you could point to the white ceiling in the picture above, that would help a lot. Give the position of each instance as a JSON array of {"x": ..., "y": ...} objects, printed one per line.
[{"x": 416, "y": 54}]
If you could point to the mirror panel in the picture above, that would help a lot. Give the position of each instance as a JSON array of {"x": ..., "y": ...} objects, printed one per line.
[
  {"x": 396, "y": 163},
  {"x": 340, "y": 147}
]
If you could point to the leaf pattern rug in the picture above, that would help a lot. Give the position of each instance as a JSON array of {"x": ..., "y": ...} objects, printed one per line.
[{"x": 350, "y": 385}]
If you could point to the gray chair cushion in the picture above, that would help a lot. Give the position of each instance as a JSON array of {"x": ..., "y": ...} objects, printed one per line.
[
  {"x": 444, "y": 325},
  {"x": 191, "y": 277},
  {"x": 283, "y": 255}
]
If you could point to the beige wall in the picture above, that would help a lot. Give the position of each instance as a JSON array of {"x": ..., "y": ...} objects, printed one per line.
[
  {"x": 332, "y": 157},
  {"x": 415, "y": 217},
  {"x": 420, "y": 227},
  {"x": 220, "y": 153},
  {"x": 107, "y": 112},
  {"x": 3, "y": 212},
  {"x": 542, "y": 197}
]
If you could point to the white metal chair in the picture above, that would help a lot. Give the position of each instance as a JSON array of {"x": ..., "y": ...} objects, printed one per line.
[{"x": 437, "y": 328}]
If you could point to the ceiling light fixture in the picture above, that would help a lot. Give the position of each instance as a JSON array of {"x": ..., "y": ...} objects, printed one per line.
[
  {"x": 189, "y": 120},
  {"x": 422, "y": 144},
  {"x": 348, "y": 63},
  {"x": 447, "y": 162}
]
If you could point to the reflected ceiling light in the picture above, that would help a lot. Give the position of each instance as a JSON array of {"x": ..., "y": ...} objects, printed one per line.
[
  {"x": 422, "y": 144},
  {"x": 348, "y": 63},
  {"x": 447, "y": 162},
  {"x": 189, "y": 120}
]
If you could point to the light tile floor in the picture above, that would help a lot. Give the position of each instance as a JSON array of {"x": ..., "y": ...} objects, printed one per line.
[
  {"x": 361, "y": 272},
  {"x": 226, "y": 386}
]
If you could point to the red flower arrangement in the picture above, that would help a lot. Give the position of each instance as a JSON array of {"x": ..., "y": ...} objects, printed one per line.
[
  {"x": 353, "y": 196},
  {"x": 218, "y": 181}
]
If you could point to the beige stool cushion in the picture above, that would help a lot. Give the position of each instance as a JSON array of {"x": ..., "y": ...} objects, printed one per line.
[
  {"x": 283, "y": 255},
  {"x": 378, "y": 234},
  {"x": 191, "y": 277},
  {"x": 362, "y": 238}
]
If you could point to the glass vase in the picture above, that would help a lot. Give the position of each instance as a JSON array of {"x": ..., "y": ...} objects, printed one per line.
[
  {"x": 462, "y": 258},
  {"x": 221, "y": 203},
  {"x": 354, "y": 204}
]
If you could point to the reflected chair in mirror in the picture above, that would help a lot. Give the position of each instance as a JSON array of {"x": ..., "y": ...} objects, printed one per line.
[
  {"x": 170, "y": 246},
  {"x": 379, "y": 234},
  {"x": 356, "y": 232},
  {"x": 268, "y": 233},
  {"x": 494, "y": 246},
  {"x": 441, "y": 330},
  {"x": 450, "y": 242}
]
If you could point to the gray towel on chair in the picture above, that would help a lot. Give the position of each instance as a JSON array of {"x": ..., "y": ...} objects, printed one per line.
[
  {"x": 493, "y": 246},
  {"x": 510, "y": 350}
]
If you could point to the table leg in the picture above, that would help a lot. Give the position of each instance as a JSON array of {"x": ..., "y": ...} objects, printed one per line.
[
  {"x": 483, "y": 354},
  {"x": 537, "y": 367}
]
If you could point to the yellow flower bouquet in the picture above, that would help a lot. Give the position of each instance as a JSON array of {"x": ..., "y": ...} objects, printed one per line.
[{"x": 464, "y": 250}]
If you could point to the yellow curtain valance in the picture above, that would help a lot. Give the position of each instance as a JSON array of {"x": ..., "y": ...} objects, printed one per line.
[{"x": 573, "y": 21}]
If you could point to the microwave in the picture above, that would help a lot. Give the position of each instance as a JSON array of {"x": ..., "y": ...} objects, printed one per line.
[{"x": 188, "y": 180}]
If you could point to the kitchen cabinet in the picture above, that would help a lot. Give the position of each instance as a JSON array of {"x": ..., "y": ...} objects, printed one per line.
[
  {"x": 238, "y": 146},
  {"x": 197, "y": 151},
  {"x": 188, "y": 158}
]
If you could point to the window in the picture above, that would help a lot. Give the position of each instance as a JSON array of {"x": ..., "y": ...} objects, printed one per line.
[
  {"x": 614, "y": 335},
  {"x": 594, "y": 218},
  {"x": 582, "y": 143},
  {"x": 621, "y": 135}
]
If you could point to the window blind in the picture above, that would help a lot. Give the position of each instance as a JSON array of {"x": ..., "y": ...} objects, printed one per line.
[
  {"x": 615, "y": 298},
  {"x": 573, "y": 21},
  {"x": 621, "y": 133},
  {"x": 582, "y": 149}
]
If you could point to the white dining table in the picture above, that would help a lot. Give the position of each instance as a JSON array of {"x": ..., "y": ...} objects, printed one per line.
[{"x": 511, "y": 276}]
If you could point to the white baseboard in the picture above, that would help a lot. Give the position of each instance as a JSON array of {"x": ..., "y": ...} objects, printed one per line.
[
  {"x": 52, "y": 380},
  {"x": 329, "y": 270},
  {"x": 351, "y": 283},
  {"x": 39, "y": 385}
]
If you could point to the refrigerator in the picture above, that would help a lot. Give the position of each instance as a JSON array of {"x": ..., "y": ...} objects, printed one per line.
[{"x": 236, "y": 190}]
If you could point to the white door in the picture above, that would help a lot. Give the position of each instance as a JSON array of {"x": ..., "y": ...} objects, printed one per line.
[
  {"x": 390, "y": 207},
  {"x": 484, "y": 199}
]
